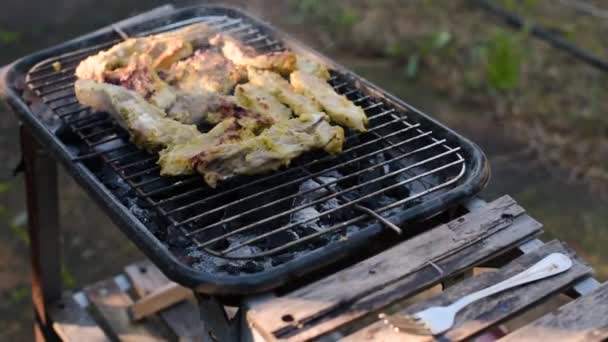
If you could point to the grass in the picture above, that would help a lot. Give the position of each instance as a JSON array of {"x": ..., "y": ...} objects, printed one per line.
[
  {"x": 9, "y": 37},
  {"x": 333, "y": 15},
  {"x": 504, "y": 59}
]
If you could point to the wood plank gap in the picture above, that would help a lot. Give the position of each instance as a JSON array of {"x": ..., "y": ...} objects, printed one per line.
[
  {"x": 182, "y": 318},
  {"x": 73, "y": 323},
  {"x": 582, "y": 320},
  {"x": 110, "y": 304}
]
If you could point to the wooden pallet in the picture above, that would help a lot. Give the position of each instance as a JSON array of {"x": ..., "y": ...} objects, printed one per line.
[{"x": 346, "y": 305}]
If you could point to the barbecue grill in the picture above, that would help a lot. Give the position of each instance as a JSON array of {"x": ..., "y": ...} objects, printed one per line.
[{"x": 250, "y": 234}]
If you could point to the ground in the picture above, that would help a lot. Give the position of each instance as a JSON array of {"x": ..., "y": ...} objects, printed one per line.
[{"x": 535, "y": 111}]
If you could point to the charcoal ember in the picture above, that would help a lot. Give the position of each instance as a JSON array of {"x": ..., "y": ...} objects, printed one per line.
[
  {"x": 259, "y": 208},
  {"x": 143, "y": 203},
  {"x": 310, "y": 218},
  {"x": 243, "y": 251},
  {"x": 336, "y": 216},
  {"x": 252, "y": 267},
  {"x": 237, "y": 267},
  {"x": 278, "y": 239},
  {"x": 176, "y": 238},
  {"x": 115, "y": 183},
  {"x": 401, "y": 191}
]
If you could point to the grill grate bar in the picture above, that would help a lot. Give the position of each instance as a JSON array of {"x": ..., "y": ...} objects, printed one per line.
[
  {"x": 287, "y": 171},
  {"x": 67, "y": 78},
  {"x": 105, "y": 141},
  {"x": 345, "y": 224},
  {"x": 326, "y": 198},
  {"x": 141, "y": 173},
  {"x": 68, "y": 85},
  {"x": 126, "y": 155},
  {"x": 296, "y": 181},
  {"x": 141, "y": 161},
  {"x": 291, "y": 225},
  {"x": 73, "y": 57},
  {"x": 164, "y": 189},
  {"x": 290, "y": 170},
  {"x": 97, "y": 122},
  {"x": 52, "y": 74}
]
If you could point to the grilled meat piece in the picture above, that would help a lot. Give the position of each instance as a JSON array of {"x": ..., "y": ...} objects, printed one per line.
[
  {"x": 164, "y": 49},
  {"x": 283, "y": 62},
  {"x": 207, "y": 71},
  {"x": 139, "y": 76},
  {"x": 275, "y": 147},
  {"x": 177, "y": 159},
  {"x": 258, "y": 100},
  {"x": 338, "y": 107},
  {"x": 187, "y": 105},
  {"x": 148, "y": 125},
  {"x": 284, "y": 92},
  {"x": 312, "y": 67}
]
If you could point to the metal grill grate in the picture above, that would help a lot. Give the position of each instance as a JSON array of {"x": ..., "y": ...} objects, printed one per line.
[{"x": 396, "y": 165}]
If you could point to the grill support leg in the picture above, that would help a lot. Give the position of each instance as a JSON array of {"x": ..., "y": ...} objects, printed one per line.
[
  {"x": 43, "y": 230},
  {"x": 218, "y": 327}
]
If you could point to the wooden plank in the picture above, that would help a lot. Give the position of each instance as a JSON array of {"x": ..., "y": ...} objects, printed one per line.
[
  {"x": 73, "y": 323},
  {"x": 110, "y": 304},
  {"x": 583, "y": 320},
  {"x": 322, "y": 307},
  {"x": 488, "y": 312},
  {"x": 160, "y": 299},
  {"x": 183, "y": 318}
]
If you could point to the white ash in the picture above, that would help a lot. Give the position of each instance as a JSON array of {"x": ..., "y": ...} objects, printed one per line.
[
  {"x": 331, "y": 203},
  {"x": 108, "y": 146},
  {"x": 134, "y": 208},
  {"x": 244, "y": 251},
  {"x": 310, "y": 215}
]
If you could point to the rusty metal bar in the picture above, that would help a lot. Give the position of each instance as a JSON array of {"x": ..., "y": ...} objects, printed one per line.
[{"x": 43, "y": 226}]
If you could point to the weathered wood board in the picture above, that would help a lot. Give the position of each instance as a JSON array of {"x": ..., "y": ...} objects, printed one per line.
[{"x": 394, "y": 274}]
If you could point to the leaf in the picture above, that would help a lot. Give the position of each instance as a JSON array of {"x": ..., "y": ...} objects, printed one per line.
[
  {"x": 69, "y": 281},
  {"x": 441, "y": 39},
  {"x": 411, "y": 70},
  {"x": 19, "y": 293},
  {"x": 504, "y": 60},
  {"x": 347, "y": 18},
  {"x": 5, "y": 186},
  {"x": 18, "y": 227},
  {"x": 8, "y": 37}
]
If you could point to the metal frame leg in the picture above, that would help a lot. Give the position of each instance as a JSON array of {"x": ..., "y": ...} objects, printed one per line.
[
  {"x": 218, "y": 327},
  {"x": 43, "y": 230}
]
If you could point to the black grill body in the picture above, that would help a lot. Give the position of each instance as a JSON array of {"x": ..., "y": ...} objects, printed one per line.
[{"x": 250, "y": 234}]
